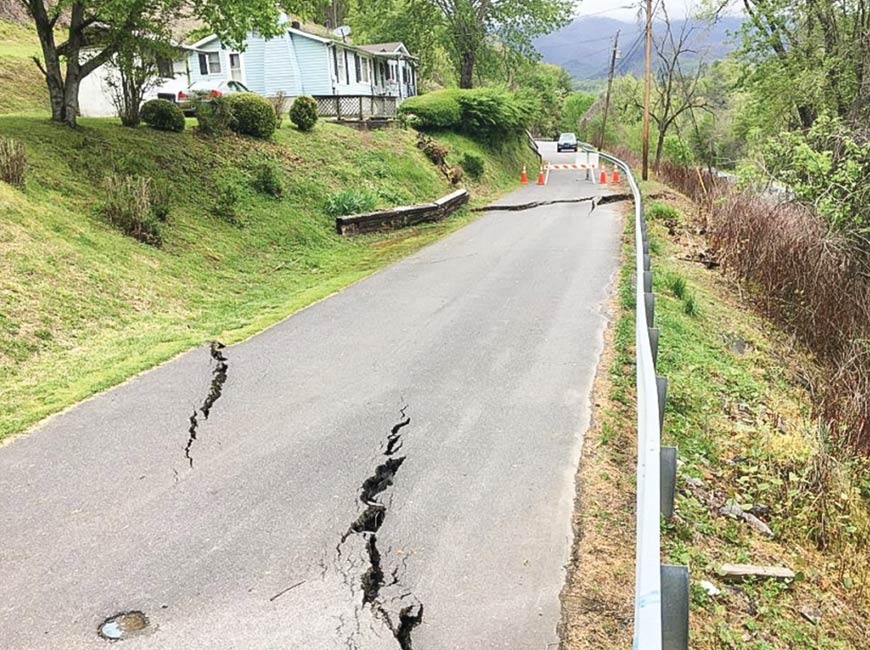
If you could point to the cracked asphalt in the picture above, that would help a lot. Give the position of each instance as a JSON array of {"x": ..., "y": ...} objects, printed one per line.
[{"x": 260, "y": 535}]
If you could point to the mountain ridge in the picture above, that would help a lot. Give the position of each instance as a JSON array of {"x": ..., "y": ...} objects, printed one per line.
[{"x": 584, "y": 46}]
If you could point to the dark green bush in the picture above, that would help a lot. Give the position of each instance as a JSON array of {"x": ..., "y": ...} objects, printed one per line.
[
  {"x": 252, "y": 115},
  {"x": 435, "y": 110},
  {"x": 129, "y": 206},
  {"x": 304, "y": 113},
  {"x": 268, "y": 178},
  {"x": 163, "y": 115},
  {"x": 214, "y": 116},
  {"x": 350, "y": 201},
  {"x": 473, "y": 165}
]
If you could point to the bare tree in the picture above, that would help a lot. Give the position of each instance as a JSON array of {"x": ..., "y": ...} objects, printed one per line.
[{"x": 676, "y": 91}]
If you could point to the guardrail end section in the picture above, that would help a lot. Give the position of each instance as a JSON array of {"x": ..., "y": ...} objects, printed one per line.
[
  {"x": 675, "y": 607},
  {"x": 668, "y": 480}
]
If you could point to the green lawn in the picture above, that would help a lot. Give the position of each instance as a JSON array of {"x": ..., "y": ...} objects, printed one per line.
[{"x": 83, "y": 307}]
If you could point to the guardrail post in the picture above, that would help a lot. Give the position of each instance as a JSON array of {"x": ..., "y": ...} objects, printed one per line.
[
  {"x": 675, "y": 607},
  {"x": 649, "y": 301},
  {"x": 662, "y": 386},
  {"x": 647, "y": 281},
  {"x": 647, "y": 264},
  {"x": 654, "y": 344},
  {"x": 668, "y": 480}
]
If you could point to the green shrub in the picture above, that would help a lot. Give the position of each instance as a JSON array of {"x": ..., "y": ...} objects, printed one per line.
[
  {"x": 226, "y": 204},
  {"x": 304, "y": 113},
  {"x": 662, "y": 211},
  {"x": 163, "y": 115},
  {"x": 268, "y": 178},
  {"x": 435, "y": 110},
  {"x": 483, "y": 113},
  {"x": 214, "y": 116},
  {"x": 129, "y": 206},
  {"x": 251, "y": 115},
  {"x": 489, "y": 113},
  {"x": 349, "y": 201},
  {"x": 13, "y": 162},
  {"x": 473, "y": 165}
]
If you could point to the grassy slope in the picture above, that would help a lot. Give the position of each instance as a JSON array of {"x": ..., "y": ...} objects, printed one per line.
[
  {"x": 83, "y": 307},
  {"x": 22, "y": 89}
]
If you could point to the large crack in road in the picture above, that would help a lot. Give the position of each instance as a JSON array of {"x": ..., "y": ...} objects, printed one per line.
[
  {"x": 218, "y": 379},
  {"x": 366, "y": 526}
]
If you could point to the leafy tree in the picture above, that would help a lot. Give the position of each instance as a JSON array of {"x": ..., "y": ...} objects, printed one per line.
[
  {"x": 134, "y": 71},
  {"x": 95, "y": 30},
  {"x": 545, "y": 87},
  {"x": 574, "y": 110},
  {"x": 473, "y": 26}
]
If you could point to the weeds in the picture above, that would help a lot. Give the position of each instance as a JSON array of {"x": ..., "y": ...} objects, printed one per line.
[
  {"x": 268, "y": 178},
  {"x": 13, "y": 162},
  {"x": 349, "y": 201},
  {"x": 129, "y": 205},
  {"x": 813, "y": 281},
  {"x": 677, "y": 286}
]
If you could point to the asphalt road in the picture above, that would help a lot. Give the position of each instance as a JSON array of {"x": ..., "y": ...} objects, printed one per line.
[{"x": 453, "y": 387}]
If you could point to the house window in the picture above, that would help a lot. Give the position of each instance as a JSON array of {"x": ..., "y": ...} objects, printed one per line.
[
  {"x": 210, "y": 63},
  {"x": 235, "y": 66},
  {"x": 356, "y": 65},
  {"x": 365, "y": 70}
]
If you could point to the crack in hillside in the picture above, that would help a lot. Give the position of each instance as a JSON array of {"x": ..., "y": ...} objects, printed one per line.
[
  {"x": 219, "y": 378},
  {"x": 519, "y": 207},
  {"x": 367, "y": 524}
]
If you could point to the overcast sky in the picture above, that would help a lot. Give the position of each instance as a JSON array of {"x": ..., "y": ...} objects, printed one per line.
[{"x": 628, "y": 9}]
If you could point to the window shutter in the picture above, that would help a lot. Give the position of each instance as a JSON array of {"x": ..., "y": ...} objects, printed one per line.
[{"x": 203, "y": 65}]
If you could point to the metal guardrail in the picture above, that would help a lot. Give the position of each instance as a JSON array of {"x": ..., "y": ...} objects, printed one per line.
[{"x": 661, "y": 598}]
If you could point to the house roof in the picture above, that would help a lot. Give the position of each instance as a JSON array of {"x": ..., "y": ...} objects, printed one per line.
[{"x": 382, "y": 48}]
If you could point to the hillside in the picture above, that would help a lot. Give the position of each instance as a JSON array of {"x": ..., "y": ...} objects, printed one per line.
[
  {"x": 83, "y": 307},
  {"x": 584, "y": 47},
  {"x": 21, "y": 86}
]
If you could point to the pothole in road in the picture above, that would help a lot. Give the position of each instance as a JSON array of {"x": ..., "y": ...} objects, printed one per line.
[{"x": 123, "y": 625}]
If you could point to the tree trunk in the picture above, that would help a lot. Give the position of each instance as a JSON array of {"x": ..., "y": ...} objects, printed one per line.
[
  {"x": 660, "y": 147},
  {"x": 466, "y": 69}
]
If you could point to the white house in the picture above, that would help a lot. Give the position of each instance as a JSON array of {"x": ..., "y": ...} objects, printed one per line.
[{"x": 95, "y": 96}]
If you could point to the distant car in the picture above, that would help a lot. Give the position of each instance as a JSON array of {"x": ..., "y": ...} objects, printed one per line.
[
  {"x": 567, "y": 142},
  {"x": 204, "y": 90}
]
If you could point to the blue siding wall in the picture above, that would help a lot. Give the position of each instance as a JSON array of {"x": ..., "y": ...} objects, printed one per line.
[
  {"x": 253, "y": 61},
  {"x": 314, "y": 61}
]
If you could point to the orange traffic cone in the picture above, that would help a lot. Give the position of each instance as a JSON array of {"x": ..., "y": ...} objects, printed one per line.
[
  {"x": 541, "y": 175},
  {"x": 603, "y": 176},
  {"x": 615, "y": 174},
  {"x": 524, "y": 179}
]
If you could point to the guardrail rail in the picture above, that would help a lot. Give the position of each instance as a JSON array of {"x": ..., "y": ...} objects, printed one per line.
[{"x": 661, "y": 598}]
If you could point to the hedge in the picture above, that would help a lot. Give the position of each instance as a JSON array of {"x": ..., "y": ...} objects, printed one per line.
[
  {"x": 163, "y": 115},
  {"x": 486, "y": 113}
]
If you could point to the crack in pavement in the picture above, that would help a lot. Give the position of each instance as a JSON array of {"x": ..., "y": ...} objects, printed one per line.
[
  {"x": 219, "y": 377},
  {"x": 596, "y": 200},
  {"x": 367, "y": 525}
]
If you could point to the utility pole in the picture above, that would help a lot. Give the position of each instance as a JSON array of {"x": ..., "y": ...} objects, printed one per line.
[
  {"x": 609, "y": 85},
  {"x": 646, "y": 90}
]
